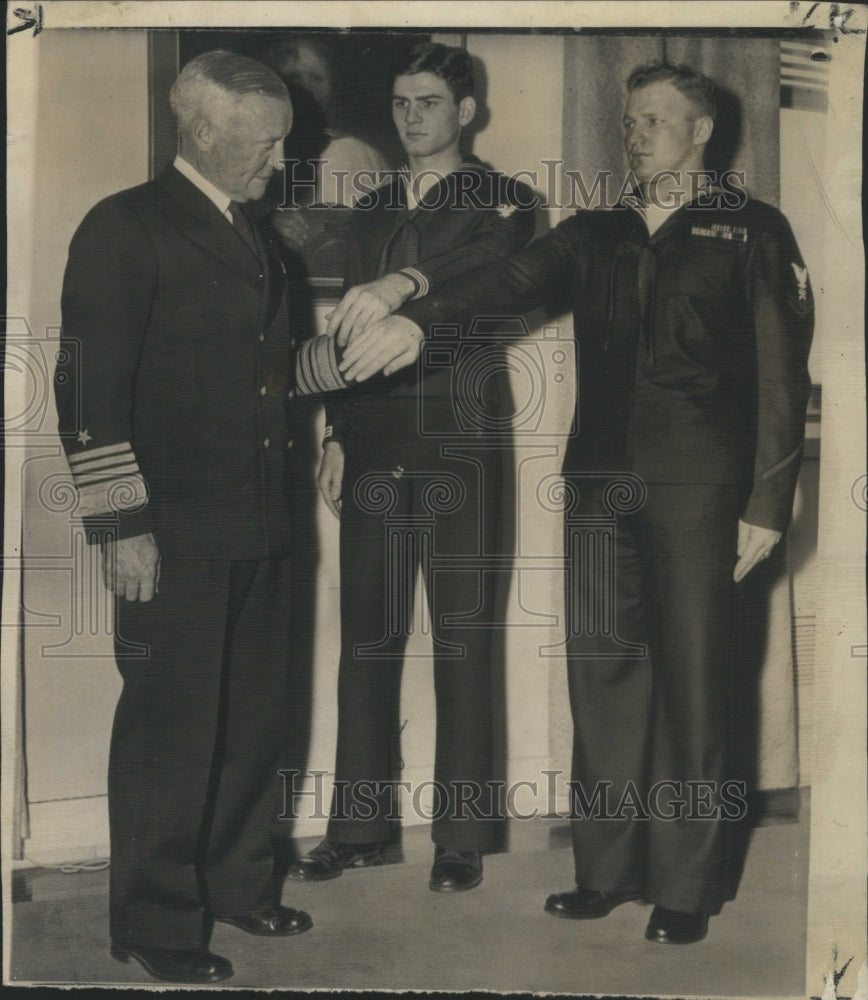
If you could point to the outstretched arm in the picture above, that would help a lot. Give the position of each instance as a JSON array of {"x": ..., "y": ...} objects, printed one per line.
[
  {"x": 509, "y": 286},
  {"x": 502, "y": 229}
]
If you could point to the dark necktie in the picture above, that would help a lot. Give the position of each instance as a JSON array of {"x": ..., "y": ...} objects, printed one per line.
[{"x": 244, "y": 228}]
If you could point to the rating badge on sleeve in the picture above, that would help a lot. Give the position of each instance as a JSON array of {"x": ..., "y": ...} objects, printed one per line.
[
  {"x": 801, "y": 274},
  {"x": 800, "y": 301}
]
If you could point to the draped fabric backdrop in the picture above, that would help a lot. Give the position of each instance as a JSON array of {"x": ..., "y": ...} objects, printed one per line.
[
  {"x": 747, "y": 138},
  {"x": 745, "y": 70}
]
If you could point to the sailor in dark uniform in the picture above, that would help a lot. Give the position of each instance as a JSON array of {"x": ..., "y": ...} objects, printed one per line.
[{"x": 401, "y": 461}]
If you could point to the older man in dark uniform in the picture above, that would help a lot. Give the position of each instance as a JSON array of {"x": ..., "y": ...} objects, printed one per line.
[
  {"x": 693, "y": 316},
  {"x": 180, "y": 451},
  {"x": 416, "y": 479}
]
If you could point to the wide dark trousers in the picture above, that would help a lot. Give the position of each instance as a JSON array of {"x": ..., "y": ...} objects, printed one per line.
[
  {"x": 195, "y": 751},
  {"x": 646, "y": 727},
  {"x": 443, "y": 514}
]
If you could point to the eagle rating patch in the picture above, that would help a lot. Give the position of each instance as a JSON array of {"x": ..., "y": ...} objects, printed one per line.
[{"x": 801, "y": 274}]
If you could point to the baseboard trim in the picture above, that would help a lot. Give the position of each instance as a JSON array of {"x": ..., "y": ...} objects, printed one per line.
[{"x": 40, "y": 879}]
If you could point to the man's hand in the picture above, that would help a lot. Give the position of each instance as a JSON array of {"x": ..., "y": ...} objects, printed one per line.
[
  {"x": 131, "y": 567},
  {"x": 331, "y": 476},
  {"x": 754, "y": 545},
  {"x": 365, "y": 304},
  {"x": 387, "y": 345},
  {"x": 295, "y": 227}
]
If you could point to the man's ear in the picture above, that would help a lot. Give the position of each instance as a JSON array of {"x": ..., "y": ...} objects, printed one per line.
[
  {"x": 202, "y": 133},
  {"x": 702, "y": 129},
  {"x": 466, "y": 111}
]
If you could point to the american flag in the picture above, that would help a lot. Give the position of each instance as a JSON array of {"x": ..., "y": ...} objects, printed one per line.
[{"x": 805, "y": 74}]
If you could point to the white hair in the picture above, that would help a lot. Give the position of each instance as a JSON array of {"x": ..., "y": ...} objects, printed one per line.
[{"x": 218, "y": 78}]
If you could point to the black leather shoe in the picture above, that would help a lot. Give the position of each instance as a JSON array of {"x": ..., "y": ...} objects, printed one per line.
[
  {"x": 455, "y": 871},
  {"x": 675, "y": 927},
  {"x": 193, "y": 966},
  {"x": 329, "y": 859},
  {"x": 276, "y": 921},
  {"x": 586, "y": 904}
]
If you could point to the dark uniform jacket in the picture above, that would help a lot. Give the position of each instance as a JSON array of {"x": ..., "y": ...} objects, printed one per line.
[
  {"x": 177, "y": 422},
  {"x": 469, "y": 218},
  {"x": 692, "y": 343}
]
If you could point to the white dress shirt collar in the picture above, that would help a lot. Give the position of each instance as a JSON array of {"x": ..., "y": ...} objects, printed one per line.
[{"x": 213, "y": 193}]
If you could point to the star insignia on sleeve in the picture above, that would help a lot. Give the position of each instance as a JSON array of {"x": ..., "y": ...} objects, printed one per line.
[{"x": 83, "y": 437}]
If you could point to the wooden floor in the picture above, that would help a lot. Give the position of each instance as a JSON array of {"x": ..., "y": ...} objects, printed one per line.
[{"x": 381, "y": 928}]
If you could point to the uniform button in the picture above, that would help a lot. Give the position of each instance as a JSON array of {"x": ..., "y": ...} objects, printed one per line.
[
  {"x": 293, "y": 342},
  {"x": 266, "y": 443},
  {"x": 291, "y": 394},
  {"x": 289, "y": 444},
  {"x": 261, "y": 337},
  {"x": 262, "y": 390}
]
